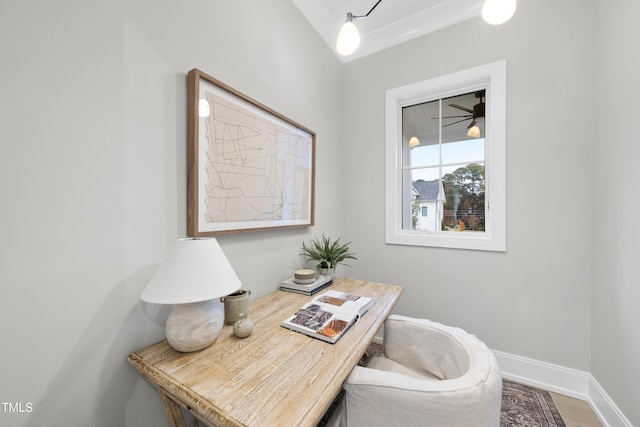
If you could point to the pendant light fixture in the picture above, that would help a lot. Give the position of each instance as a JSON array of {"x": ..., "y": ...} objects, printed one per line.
[
  {"x": 349, "y": 37},
  {"x": 496, "y": 12}
]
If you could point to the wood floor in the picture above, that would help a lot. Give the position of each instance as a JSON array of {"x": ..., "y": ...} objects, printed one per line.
[{"x": 575, "y": 412}]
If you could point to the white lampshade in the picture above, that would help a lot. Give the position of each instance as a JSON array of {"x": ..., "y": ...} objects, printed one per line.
[
  {"x": 498, "y": 12},
  {"x": 195, "y": 270},
  {"x": 348, "y": 39},
  {"x": 414, "y": 142}
]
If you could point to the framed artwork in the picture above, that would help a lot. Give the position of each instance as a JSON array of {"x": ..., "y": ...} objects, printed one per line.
[{"x": 249, "y": 167}]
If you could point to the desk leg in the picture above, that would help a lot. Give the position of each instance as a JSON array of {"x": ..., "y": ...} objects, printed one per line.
[{"x": 172, "y": 410}]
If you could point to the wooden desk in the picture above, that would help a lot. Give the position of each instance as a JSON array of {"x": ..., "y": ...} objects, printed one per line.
[{"x": 275, "y": 377}]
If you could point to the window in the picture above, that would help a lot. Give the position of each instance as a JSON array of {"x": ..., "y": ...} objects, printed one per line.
[{"x": 446, "y": 154}]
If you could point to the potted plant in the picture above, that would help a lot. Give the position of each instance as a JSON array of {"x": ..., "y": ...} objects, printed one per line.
[{"x": 327, "y": 253}]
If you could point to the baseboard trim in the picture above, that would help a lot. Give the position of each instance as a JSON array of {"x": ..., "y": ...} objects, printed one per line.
[{"x": 570, "y": 382}]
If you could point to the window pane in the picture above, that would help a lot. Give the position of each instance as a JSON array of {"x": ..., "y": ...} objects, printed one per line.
[
  {"x": 442, "y": 149},
  {"x": 420, "y": 130},
  {"x": 460, "y": 114},
  {"x": 424, "y": 203},
  {"x": 464, "y": 188}
]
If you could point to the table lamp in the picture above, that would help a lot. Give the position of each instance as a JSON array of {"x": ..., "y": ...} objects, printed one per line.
[{"x": 193, "y": 277}]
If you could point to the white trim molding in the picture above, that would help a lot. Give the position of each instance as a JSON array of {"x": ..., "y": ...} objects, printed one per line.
[{"x": 570, "y": 382}]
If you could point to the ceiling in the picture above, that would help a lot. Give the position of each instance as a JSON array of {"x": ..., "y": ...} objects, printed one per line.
[{"x": 392, "y": 22}]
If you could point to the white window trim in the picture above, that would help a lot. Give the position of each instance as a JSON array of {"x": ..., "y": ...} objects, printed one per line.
[{"x": 492, "y": 76}]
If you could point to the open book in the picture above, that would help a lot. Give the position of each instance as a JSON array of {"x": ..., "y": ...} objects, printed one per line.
[{"x": 328, "y": 316}]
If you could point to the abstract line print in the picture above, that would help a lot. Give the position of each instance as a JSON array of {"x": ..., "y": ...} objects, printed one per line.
[{"x": 257, "y": 168}]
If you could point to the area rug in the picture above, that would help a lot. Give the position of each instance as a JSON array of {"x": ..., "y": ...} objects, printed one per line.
[
  {"x": 525, "y": 406},
  {"x": 522, "y": 405}
]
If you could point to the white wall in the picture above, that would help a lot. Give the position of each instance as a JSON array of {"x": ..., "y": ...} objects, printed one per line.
[
  {"x": 571, "y": 144},
  {"x": 616, "y": 287},
  {"x": 93, "y": 176},
  {"x": 533, "y": 300},
  {"x": 92, "y": 179}
]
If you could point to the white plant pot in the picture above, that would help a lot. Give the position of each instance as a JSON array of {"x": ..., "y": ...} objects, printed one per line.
[{"x": 329, "y": 272}]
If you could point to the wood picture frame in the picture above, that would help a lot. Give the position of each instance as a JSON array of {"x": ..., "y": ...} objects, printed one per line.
[{"x": 248, "y": 166}]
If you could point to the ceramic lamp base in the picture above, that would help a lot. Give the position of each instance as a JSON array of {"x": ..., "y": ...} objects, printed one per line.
[{"x": 192, "y": 327}]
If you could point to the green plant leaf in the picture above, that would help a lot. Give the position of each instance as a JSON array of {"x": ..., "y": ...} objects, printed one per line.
[{"x": 328, "y": 253}]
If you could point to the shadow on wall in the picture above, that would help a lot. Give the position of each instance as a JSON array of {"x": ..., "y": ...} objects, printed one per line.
[{"x": 96, "y": 376}]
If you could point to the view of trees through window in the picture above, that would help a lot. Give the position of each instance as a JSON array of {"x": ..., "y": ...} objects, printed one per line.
[
  {"x": 464, "y": 190},
  {"x": 444, "y": 164}
]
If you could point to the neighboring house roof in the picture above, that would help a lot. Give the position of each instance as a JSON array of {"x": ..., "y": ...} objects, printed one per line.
[{"x": 426, "y": 190}]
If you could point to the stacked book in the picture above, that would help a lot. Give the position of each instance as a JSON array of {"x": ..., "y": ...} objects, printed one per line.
[{"x": 311, "y": 287}]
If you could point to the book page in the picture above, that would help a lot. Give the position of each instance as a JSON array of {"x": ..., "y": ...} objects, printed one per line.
[
  {"x": 314, "y": 317},
  {"x": 343, "y": 302}
]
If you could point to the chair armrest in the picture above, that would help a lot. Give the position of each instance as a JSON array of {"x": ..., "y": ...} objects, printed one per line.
[{"x": 361, "y": 376}]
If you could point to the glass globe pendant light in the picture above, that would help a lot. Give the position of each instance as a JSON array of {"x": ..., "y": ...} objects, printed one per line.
[{"x": 496, "y": 12}]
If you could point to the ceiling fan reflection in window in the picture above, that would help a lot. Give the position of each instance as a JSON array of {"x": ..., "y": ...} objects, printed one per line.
[{"x": 476, "y": 112}]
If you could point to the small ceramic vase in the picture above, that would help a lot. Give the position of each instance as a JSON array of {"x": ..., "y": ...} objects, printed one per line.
[{"x": 243, "y": 327}]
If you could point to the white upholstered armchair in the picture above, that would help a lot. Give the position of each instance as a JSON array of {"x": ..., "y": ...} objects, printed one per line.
[{"x": 430, "y": 375}]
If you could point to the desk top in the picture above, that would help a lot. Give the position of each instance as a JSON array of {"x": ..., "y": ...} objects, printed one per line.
[{"x": 275, "y": 376}]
